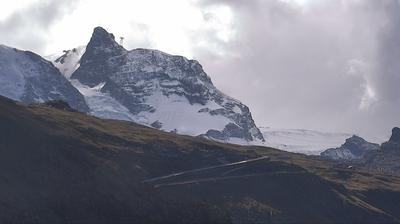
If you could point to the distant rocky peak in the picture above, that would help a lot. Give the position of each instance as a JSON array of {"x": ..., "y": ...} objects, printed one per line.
[
  {"x": 354, "y": 141},
  {"x": 395, "y": 135},
  {"x": 394, "y": 142},
  {"x": 101, "y": 45},
  {"x": 355, "y": 147}
]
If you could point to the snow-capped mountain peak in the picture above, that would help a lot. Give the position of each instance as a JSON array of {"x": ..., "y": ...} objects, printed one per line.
[
  {"x": 101, "y": 45},
  {"x": 160, "y": 90}
]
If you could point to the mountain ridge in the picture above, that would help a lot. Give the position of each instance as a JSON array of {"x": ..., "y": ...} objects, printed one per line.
[
  {"x": 354, "y": 148},
  {"x": 27, "y": 77}
]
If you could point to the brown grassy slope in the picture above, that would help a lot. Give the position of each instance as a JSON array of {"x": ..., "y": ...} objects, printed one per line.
[{"x": 63, "y": 166}]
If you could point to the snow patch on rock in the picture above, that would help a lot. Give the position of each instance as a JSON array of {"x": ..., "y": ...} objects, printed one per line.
[
  {"x": 102, "y": 104},
  {"x": 174, "y": 112},
  {"x": 69, "y": 61}
]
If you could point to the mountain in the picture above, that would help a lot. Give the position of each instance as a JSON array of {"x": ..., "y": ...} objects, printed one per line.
[
  {"x": 361, "y": 154},
  {"x": 309, "y": 142},
  {"x": 354, "y": 148},
  {"x": 29, "y": 78},
  {"x": 388, "y": 157},
  {"x": 394, "y": 141},
  {"x": 62, "y": 166},
  {"x": 153, "y": 88}
]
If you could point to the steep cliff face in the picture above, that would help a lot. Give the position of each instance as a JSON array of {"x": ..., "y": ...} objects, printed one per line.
[
  {"x": 395, "y": 138},
  {"x": 393, "y": 145},
  {"x": 27, "y": 77},
  {"x": 157, "y": 89},
  {"x": 388, "y": 157}
]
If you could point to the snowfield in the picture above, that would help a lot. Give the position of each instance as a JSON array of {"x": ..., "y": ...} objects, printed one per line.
[
  {"x": 102, "y": 104},
  {"x": 173, "y": 112},
  {"x": 302, "y": 141}
]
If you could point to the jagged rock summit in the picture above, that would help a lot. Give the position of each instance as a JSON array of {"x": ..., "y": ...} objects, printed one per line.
[
  {"x": 394, "y": 142},
  {"x": 354, "y": 148},
  {"x": 167, "y": 92},
  {"x": 388, "y": 157},
  {"x": 395, "y": 135},
  {"x": 93, "y": 67}
]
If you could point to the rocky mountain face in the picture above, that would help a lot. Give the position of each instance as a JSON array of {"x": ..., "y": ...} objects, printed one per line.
[
  {"x": 394, "y": 141},
  {"x": 387, "y": 159},
  {"x": 354, "y": 148},
  {"x": 27, "y": 77},
  {"x": 167, "y": 92}
]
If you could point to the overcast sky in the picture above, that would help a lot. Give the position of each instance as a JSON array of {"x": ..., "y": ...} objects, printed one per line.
[{"x": 331, "y": 65}]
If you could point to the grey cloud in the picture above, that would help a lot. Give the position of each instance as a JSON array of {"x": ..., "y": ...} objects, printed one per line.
[
  {"x": 139, "y": 35},
  {"x": 388, "y": 55},
  {"x": 28, "y": 28},
  {"x": 293, "y": 66}
]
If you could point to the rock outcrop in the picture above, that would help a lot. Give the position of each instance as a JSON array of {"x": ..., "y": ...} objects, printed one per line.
[{"x": 354, "y": 148}]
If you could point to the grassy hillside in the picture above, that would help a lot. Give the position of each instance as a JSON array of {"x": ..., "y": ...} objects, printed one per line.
[{"x": 61, "y": 166}]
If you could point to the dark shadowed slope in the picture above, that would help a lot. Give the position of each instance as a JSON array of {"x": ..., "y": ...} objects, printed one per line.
[{"x": 60, "y": 166}]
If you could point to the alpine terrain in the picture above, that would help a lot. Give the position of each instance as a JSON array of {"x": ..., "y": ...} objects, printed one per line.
[{"x": 153, "y": 88}]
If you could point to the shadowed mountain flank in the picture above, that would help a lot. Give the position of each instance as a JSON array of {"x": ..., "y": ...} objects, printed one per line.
[{"x": 62, "y": 166}]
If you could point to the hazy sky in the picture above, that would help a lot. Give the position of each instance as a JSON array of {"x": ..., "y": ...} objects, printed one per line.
[{"x": 331, "y": 65}]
